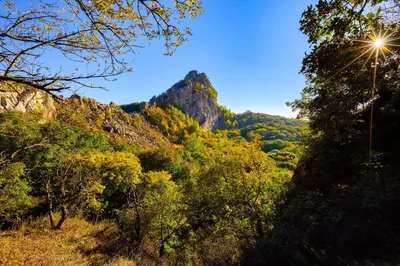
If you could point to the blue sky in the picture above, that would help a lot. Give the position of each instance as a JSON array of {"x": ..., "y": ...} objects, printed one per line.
[{"x": 251, "y": 51}]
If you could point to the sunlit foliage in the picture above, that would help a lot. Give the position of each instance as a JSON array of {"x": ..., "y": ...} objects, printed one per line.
[{"x": 169, "y": 202}]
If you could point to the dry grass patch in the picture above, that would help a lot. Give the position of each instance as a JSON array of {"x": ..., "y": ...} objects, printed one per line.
[{"x": 77, "y": 243}]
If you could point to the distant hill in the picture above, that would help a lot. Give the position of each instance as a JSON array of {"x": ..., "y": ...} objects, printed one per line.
[{"x": 196, "y": 97}]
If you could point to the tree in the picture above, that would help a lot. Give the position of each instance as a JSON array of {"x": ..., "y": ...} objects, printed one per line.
[
  {"x": 165, "y": 158},
  {"x": 19, "y": 134},
  {"x": 76, "y": 183},
  {"x": 14, "y": 191},
  {"x": 234, "y": 200},
  {"x": 80, "y": 181},
  {"x": 334, "y": 202},
  {"x": 391, "y": 12},
  {"x": 156, "y": 213},
  {"x": 96, "y": 35},
  {"x": 339, "y": 71},
  {"x": 120, "y": 173},
  {"x": 23, "y": 138},
  {"x": 165, "y": 209}
]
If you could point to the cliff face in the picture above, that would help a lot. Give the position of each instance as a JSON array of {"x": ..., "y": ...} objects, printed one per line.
[
  {"x": 28, "y": 101},
  {"x": 195, "y": 96}
]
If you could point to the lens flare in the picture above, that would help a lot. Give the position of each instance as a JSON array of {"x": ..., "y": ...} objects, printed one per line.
[{"x": 378, "y": 43}]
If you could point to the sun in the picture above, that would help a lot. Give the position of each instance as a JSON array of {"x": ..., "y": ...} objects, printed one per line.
[{"x": 378, "y": 43}]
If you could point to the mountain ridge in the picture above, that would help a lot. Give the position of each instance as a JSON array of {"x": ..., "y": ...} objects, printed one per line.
[{"x": 144, "y": 125}]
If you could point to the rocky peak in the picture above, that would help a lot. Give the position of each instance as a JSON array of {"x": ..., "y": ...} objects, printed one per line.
[{"x": 195, "y": 96}]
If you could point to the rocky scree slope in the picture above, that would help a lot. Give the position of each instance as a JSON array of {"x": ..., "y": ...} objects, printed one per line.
[
  {"x": 131, "y": 128},
  {"x": 85, "y": 112}
]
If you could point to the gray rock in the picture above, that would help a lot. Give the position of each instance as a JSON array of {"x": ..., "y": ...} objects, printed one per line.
[
  {"x": 28, "y": 101},
  {"x": 113, "y": 104},
  {"x": 195, "y": 96},
  {"x": 143, "y": 106}
]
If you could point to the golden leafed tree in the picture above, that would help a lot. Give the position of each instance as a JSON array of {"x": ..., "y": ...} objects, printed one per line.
[{"x": 100, "y": 38}]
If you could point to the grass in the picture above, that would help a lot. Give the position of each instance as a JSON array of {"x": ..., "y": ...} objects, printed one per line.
[{"x": 77, "y": 243}]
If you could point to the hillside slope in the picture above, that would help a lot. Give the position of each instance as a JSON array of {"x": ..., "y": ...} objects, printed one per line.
[
  {"x": 110, "y": 118},
  {"x": 88, "y": 113}
]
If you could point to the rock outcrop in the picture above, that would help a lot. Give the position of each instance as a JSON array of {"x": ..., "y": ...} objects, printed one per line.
[
  {"x": 28, "y": 101},
  {"x": 195, "y": 96}
]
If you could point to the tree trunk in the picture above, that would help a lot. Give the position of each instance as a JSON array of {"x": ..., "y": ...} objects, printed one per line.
[
  {"x": 52, "y": 223},
  {"x": 259, "y": 227},
  {"x": 63, "y": 217},
  {"x": 162, "y": 249},
  {"x": 137, "y": 228},
  {"x": 50, "y": 203}
]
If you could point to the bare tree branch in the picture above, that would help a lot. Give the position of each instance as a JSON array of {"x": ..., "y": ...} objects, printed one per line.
[{"x": 102, "y": 36}]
